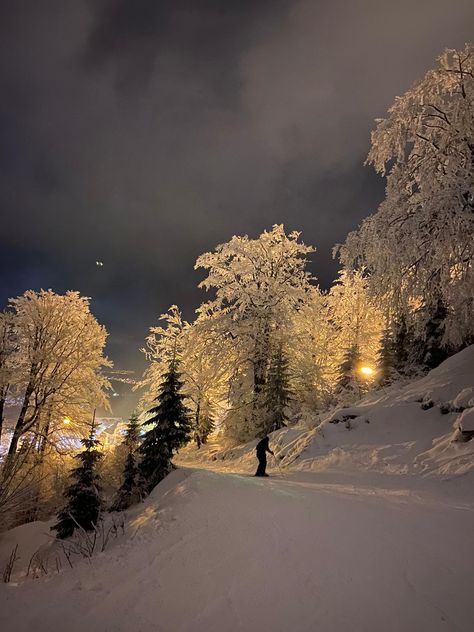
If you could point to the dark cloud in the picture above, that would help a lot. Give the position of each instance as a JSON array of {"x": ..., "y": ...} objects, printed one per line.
[{"x": 144, "y": 133}]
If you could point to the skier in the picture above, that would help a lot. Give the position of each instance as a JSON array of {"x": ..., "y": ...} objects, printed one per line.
[{"x": 261, "y": 449}]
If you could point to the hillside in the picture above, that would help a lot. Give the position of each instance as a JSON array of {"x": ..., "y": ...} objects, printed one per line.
[
  {"x": 408, "y": 429},
  {"x": 365, "y": 527}
]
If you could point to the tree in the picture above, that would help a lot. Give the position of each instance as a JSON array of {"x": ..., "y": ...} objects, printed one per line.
[
  {"x": 314, "y": 355},
  {"x": 278, "y": 394},
  {"x": 348, "y": 371},
  {"x": 358, "y": 324},
  {"x": 170, "y": 429},
  {"x": 60, "y": 357},
  {"x": 204, "y": 357},
  {"x": 431, "y": 349},
  {"x": 419, "y": 245},
  {"x": 386, "y": 359},
  {"x": 83, "y": 494},
  {"x": 205, "y": 420},
  {"x": 258, "y": 284},
  {"x": 8, "y": 360},
  {"x": 130, "y": 490}
]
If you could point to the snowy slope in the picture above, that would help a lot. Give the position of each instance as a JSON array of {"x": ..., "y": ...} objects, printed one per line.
[
  {"x": 405, "y": 429},
  {"x": 362, "y": 526},
  {"x": 216, "y": 552}
]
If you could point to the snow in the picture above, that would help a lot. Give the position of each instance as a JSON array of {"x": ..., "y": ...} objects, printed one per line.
[
  {"x": 219, "y": 551},
  {"x": 406, "y": 429},
  {"x": 466, "y": 420},
  {"x": 365, "y": 528}
]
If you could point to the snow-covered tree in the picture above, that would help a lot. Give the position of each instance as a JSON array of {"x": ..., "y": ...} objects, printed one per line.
[
  {"x": 205, "y": 421},
  {"x": 357, "y": 320},
  {"x": 130, "y": 491},
  {"x": 386, "y": 358},
  {"x": 314, "y": 355},
  {"x": 83, "y": 494},
  {"x": 278, "y": 394},
  {"x": 419, "y": 245},
  {"x": 60, "y": 352},
  {"x": 170, "y": 429},
  {"x": 164, "y": 343},
  {"x": 429, "y": 350},
  {"x": 349, "y": 378},
  {"x": 8, "y": 360},
  {"x": 258, "y": 283},
  {"x": 206, "y": 365},
  {"x": 204, "y": 357}
]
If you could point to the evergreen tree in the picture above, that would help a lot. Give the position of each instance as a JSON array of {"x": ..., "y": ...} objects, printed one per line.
[
  {"x": 402, "y": 344},
  {"x": 348, "y": 370},
  {"x": 432, "y": 349},
  {"x": 83, "y": 495},
  {"x": 130, "y": 491},
  {"x": 277, "y": 392},
  {"x": 170, "y": 429},
  {"x": 386, "y": 359}
]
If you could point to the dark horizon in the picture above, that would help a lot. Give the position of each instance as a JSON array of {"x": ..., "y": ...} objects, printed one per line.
[{"x": 143, "y": 134}]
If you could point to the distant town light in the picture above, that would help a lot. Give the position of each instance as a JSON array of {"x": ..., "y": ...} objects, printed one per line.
[
  {"x": 367, "y": 370},
  {"x": 66, "y": 420}
]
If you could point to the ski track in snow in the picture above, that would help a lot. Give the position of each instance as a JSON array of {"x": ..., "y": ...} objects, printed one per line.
[{"x": 219, "y": 551}]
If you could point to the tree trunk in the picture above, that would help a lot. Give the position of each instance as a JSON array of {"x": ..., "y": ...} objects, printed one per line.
[{"x": 197, "y": 435}]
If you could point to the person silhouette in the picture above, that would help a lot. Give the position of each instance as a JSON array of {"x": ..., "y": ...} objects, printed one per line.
[{"x": 261, "y": 449}]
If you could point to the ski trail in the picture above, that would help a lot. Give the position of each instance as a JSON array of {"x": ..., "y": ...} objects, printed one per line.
[{"x": 219, "y": 551}]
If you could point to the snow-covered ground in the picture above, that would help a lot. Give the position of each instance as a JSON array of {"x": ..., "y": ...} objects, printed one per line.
[
  {"x": 368, "y": 527},
  {"x": 215, "y": 551}
]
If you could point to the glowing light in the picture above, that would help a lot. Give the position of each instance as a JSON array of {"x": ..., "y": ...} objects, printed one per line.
[
  {"x": 366, "y": 370},
  {"x": 66, "y": 420}
]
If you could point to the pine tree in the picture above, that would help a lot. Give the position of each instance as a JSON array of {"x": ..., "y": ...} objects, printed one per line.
[
  {"x": 347, "y": 371},
  {"x": 130, "y": 491},
  {"x": 83, "y": 495},
  {"x": 386, "y": 359},
  {"x": 402, "y": 344},
  {"x": 432, "y": 349},
  {"x": 170, "y": 429},
  {"x": 277, "y": 395}
]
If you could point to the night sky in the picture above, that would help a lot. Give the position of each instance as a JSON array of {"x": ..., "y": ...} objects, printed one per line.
[{"x": 144, "y": 132}]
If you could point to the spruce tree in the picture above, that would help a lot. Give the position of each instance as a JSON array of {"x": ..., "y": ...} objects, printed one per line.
[
  {"x": 433, "y": 349},
  {"x": 402, "y": 345},
  {"x": 278, "y": 394},
  {"x": 83, "y": 494},
  {"x": 171, "y": 428},
  {"x": 348, "y": 370},
  {"x": 130, "y": 490},
  {"x": 386, "y": 359}
]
